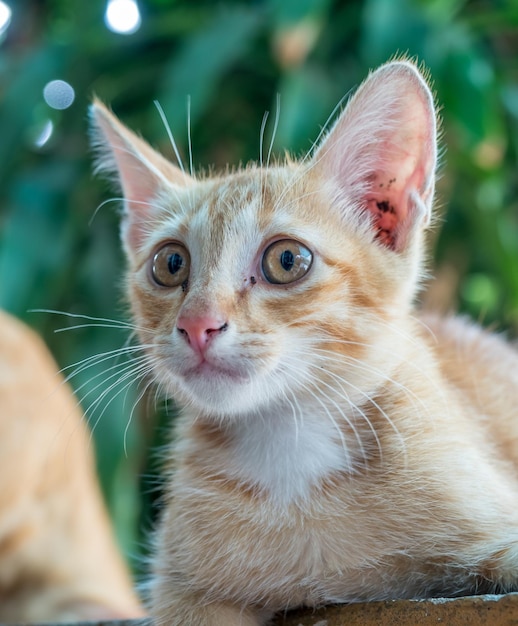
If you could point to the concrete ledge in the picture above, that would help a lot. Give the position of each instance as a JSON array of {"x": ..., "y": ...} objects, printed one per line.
[
  {"x": 487, "y": 610},
  {"x": 490, "y": 610}
]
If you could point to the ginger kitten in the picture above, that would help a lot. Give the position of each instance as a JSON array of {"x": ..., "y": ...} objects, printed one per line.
[
  {"x": 58, "y": 558},
  {"x": 332, "y": 447}
]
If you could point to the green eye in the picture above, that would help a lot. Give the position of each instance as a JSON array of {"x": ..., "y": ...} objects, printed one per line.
[
  {"x": 286, "y": 261},
  {"x": 170, "y": 266}
]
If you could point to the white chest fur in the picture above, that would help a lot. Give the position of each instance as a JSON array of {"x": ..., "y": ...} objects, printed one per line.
[{"x": 288, "y": 452}]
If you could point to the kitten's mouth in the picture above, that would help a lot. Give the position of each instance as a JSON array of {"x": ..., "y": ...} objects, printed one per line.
[
  {"x": 211, "y": 371},
  {"x": 217, "y": 387}
]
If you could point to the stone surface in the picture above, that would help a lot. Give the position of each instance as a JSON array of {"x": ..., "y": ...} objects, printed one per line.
[
  {"x": 484, "y": 610},
  {"x": 470, "y": 611}
]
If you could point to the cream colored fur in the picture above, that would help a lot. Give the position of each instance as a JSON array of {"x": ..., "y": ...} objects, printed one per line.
[
  {"x": 58, "y": 560},
  {"x": 332, "y": 446}
]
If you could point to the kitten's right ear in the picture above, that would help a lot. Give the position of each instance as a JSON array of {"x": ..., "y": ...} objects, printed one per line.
[
  {"x": 381, "y": 154},
  {"x": 141, "y": 172}
]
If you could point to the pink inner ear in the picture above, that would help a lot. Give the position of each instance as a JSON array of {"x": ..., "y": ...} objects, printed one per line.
[
  {"x": 387, "y": 206},
  {"x": 385, "y": 221},
  {"x": 389, "y": 198}
]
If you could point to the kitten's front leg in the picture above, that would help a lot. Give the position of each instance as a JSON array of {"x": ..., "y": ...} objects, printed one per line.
[{"x": 187, "y": 610}]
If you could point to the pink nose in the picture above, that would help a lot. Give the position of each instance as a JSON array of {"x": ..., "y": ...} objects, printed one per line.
[{"x": 199, "y": 331}]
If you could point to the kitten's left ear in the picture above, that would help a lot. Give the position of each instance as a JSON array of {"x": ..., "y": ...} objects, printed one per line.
[
  {"x": 382, "y": 153},
  {"x": 142, "y": 173}
]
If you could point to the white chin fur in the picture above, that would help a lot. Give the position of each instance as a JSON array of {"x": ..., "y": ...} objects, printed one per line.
[{"x": 220, "y": 395}]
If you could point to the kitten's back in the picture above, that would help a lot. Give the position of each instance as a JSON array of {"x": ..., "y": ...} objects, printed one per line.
[{"x": 484, "y": 369}]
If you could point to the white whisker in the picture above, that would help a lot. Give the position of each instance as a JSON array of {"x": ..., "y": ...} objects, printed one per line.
[
  {"x": 120, "y": 373},
  {"x": 96, "y": 325},
  {"x": 295, "y": 409},
  {"x": 327, "y": 411},
  {"x": 261, "y": 137},
  {"x": 130, "y": 418},
  {"x": 189, "y": 139},
  {"x": 373, "y": 402},
  {"x": 347, "y": 361},
  {"x": 86, "y": 317},
  {"x": 120, "y": 199},
  {"x": 345, "y": 396},
  {"x": 129, "y": 377},
  {"x": 97, "y": 359},
  {"x": 310, "y": 152},
  {"x": 169, "y": 134},
  {"x": 275, "y": 126}
]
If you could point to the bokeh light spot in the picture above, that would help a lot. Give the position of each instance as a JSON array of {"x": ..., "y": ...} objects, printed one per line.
[
  {"x": 45, "y": 134},
  {"x": 5, "y": 17},
  {"x": 122, "y": 16},
  {"x": 58, "y": 94}
]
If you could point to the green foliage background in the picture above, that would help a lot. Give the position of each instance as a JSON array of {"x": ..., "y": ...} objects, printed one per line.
[{"x": 232, "y": 58}]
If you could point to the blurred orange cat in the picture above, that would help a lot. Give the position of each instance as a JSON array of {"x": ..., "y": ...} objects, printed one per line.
[{"x": 58, "y": 559}]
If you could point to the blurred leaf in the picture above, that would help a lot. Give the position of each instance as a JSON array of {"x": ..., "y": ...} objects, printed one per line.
[
  {"x": 304, "y": 107},
  {"x": 201, "y": 63},
  {"x": 35, "y": 245},
  {"x": 288, "y": 12},
  {"x": 390, "y": 27}
]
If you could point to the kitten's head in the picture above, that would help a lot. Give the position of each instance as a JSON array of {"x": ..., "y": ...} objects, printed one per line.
[{"x": 267, "y": 285}]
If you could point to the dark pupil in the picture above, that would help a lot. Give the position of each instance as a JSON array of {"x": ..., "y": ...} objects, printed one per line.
[
  {"x": 174, "y": 262},
  {"x": 287, "y": 260}
]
